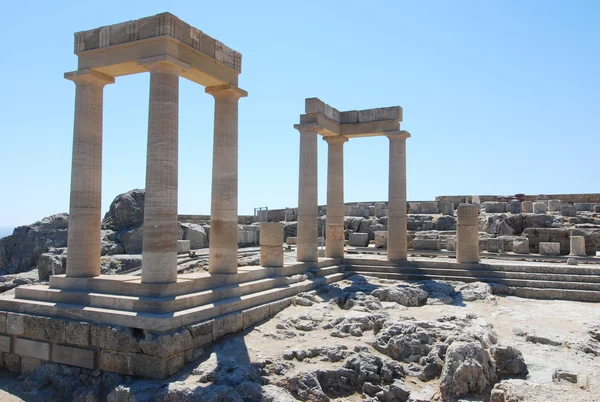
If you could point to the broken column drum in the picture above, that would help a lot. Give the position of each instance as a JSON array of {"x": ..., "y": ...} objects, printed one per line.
[{"x": 467, "y": 234}]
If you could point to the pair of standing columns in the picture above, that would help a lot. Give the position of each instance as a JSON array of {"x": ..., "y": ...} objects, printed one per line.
[
  {"x": 161, "y": 229},
  {"x": 307, "y": 250}
]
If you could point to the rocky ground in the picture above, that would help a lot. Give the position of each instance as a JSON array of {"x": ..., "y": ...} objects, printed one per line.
[{"x": 378, "y": 340}]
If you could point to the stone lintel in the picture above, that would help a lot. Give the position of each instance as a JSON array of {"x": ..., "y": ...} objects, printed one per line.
[
  {"x": 315, "y": 105},
  {"x": 397, "y": 135},
  {"x": 327, "y": 127},
  {"x": 164, "y": 62},
  {"x": 226, "y": 89},
  {"x": 371, "y": 129},
  {"x": 159, "y": 25},
  {"x": 87, "y": 75}
]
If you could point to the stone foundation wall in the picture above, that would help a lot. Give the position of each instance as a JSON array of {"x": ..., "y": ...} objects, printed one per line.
[
  {"x": 28, "y": 340},
  {"x": 593, "y": 198}
]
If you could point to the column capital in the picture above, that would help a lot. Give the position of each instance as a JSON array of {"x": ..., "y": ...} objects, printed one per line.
[
  {"x": 397, "y": 135},
  {"x": 335, "y": 139},
  {"x": 88, "y": 76},
  {"x": 226, "y": 90},
  {"x": 164, "y": 64},
  {"x": 308, "y": 128}
]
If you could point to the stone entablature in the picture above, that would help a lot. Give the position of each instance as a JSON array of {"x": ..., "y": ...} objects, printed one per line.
[{"x": 351, "y": 123}]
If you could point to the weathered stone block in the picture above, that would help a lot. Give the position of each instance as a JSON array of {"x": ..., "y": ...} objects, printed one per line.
[
  {"x": 5, "y": 343},
  {"x": 380, "y": 209},
  {"x": 428, "y": 207},
  {"x": 568, "y": 210},
  {"x": 492, "y": 207},
  {"x": 426, "y": 244},
  {"x": 279, "y": 305},
  {"x": 358, "y": 239},
  {"x": 527, "y": 207},
  {"x": 554, "y": 205},
  {"x": 292, "y": 240},
  {"x": 228, "y": 324},
  {"x": 29, "y": 365},
  {"x": 140, "y": 365},
  {"x": 29, "y": 348},
  {"x": 15, "y": 323},
  {"x": 77, "y": 333},
  {"x": 202, "y": 333},
  {"x": 12, "y": 362},
  {"x": 446, "y": 208},
  {"x": 578, "y": 246},
  {"x": 73, "y": 356},
  {"x": 115, "y": 338},
  {"x": 549, "y": 248},
  {"x": 255, "y": 315},
  {"x": 183, "y": 246},
  {"x": 451, "y": 244},
  {"x": 521, "y": 246},
  {"x": 597, "y": 208},
  {"x": 584, "y": 206},
  {"x": 44, "y": 328},
  {"x": 2, "y": 322},
  {"x": 495, "y": 245},
  {"x": 539, "y": 207},
  {"x": 515, "y": 207},
  {"x": 381, "y": 238},
  {"x": 166, "y": 344}
]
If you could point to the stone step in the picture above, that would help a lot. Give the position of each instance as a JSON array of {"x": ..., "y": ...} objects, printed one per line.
[
  {"x": 449, "y": 276},
  {"x": 562, "y": 294},
  {"x": 146, "y": 303},
  {"x": 328, "y": 270},
  {"x": 514, "y": 267},
  {"x": 162, "y": 322},
  {"x": 491, "y": 273}
]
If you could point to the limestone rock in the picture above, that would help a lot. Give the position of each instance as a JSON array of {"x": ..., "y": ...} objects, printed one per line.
[
  {"x": 132, "y": 239},
  {"x": 51, "y": 264},
  {"x": 409, "y": 296},
  {"x": 126, "y": 211},
  {"x": 509, "y": 361},
  {"x": 520, "y": 390},
  {"x": 195, "y": 234}
]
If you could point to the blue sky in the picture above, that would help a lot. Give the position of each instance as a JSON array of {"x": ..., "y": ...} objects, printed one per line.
[{"x": 501, "y": 97}]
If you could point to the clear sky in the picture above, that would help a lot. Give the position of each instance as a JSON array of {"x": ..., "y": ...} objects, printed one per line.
[{"x": 501, "y": 97}]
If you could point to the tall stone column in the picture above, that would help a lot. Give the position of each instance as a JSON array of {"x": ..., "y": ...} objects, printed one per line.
[
  {"x": 307, "y": 250},
  {"x": 224, "y": 198},
  {"x": 467, "y": 234},
  {"x": 161, "y": 228},
  {"x": 86, "y": 174},
  {"x": 397, "y": 239},
  {"x": 334, "y": 247}
]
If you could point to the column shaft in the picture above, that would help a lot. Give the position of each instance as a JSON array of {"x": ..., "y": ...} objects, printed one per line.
[
  {"x": 335, "y": 197},
  {"x": 224, "y": 198},
  {"x": 467, "y": 234},
  {"x": 307, "y": 198},
  {"x": 397, "y": 238},
  {"x": 83, "y": 239},
  {"x": 161, "y": 228}
]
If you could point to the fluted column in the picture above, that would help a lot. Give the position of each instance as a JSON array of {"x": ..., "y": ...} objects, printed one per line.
[
  {"x": 397, "y": 239},
  {"x": 83, "y": 239},
  {"x": 224, "y": 198},
  {"x": 334, "y": 246},
  {"x": 161, "y": 228},
  {"x": 307, "y": 250}
]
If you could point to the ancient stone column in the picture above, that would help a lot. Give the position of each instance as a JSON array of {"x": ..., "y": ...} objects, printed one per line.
[
  {"x": 467, "y": 234},
  {"x": 271, "y": 244},
  {"x": 161, "y": 228},
  {"x": 334, "y": 246},
  {"x": 224, "y": 199},
  {"x": 397, "y": 239},
  {"x": 578, "y": 246},
  {"x": 86, "y": 174},
  {"x": 307, "y": 250}
]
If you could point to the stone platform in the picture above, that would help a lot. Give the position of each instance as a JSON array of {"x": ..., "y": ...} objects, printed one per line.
[{"x": 118, "y": 324}]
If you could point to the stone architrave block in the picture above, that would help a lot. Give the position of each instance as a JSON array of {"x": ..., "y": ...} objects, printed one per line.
[
  {"x": 358, "y": 239},
  {"x": 578, "y": 246},
  {"x": 427, "y": 244},
  {"x": 495, "y": 245},
  {"x": 521, "y": 245},
  {"x": 539, "y": 207},
  {"x": 381, "y": 238},
  {"x": 549, "y": 248},
  {"x": 492, "y": 207},
  {"x": 527, "y": 207},
  {"x": 451, "y": 244},
  {"x": 446, "y": 208},
  {"x": 73, "y": 356},
  {"x": 292, "y": 241},
  {"x": 183, "y": 246},
  {"x": 29, "y": 348},
  {"x": 554, "y": 205},
  {"x": 515, "y": 207},
  {"x": 568, "y": 210}
]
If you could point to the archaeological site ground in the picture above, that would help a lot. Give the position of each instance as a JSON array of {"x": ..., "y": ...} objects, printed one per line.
[{"x": 467, "y": 297}]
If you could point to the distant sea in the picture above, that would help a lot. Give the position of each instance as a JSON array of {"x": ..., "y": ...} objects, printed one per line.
[{"x": 6, "y": 231}]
